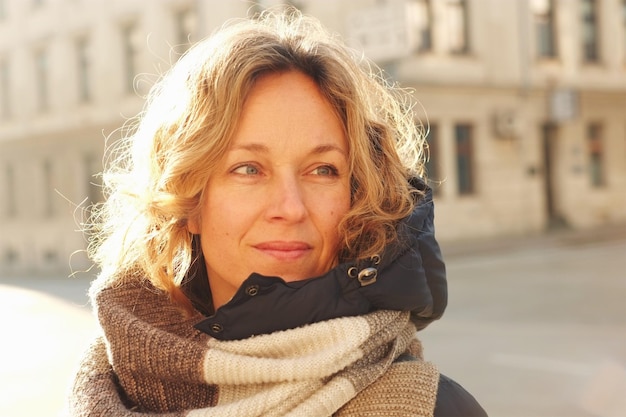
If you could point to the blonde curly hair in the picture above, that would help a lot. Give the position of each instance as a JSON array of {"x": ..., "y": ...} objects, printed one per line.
[{"x": 157, "y": 172}]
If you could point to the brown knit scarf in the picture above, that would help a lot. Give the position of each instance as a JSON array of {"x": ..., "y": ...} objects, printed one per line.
[{"x": 151, "y": 361}]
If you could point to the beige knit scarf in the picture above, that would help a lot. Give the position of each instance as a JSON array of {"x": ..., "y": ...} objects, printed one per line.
[{"x": 151, "y": 361}]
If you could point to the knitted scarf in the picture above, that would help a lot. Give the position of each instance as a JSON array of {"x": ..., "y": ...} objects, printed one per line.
[{"x": 151, "y": 361}]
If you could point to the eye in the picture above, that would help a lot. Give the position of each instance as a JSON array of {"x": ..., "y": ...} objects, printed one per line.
[
  {"x": 246, "y": 169},
  {"x": 326, "y": 171}
]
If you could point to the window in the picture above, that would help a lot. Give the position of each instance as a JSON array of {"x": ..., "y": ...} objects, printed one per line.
[
  {"x": 543, "y": 16},
  {"x": 433, "y": 173},
  {"x": 131, "y": 44},
  {"x": 419, "y": 22},
  {"x": 11, "y": 196},
  {"x": 41, "y": 76},
  {"x": 624, "y": 25},
  {"x": 596, "y": 152},
  {"x": 94, "y": 187},
  {"x": 255, "y": 9},
  {"x": 84, "y": 69},
  {"x": 5, "y": 94},
  {"x": 457, "y": 22},
  {"x": 297, "y": 4},
  {"x": 48, "y": 191},
  {"x": 185, "y": 29},
  {"x": 464, "y": 158},
  {"x": 590, "y": 31}
]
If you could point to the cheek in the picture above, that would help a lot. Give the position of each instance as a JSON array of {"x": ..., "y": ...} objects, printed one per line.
[
  {"x": 225, "y": 216},
  {"x": 335, "y": 214},
  {"x": 217, "y": 221}
]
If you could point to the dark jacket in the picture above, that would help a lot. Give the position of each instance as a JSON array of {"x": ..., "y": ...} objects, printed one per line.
[{"x": 409, "y": 275}]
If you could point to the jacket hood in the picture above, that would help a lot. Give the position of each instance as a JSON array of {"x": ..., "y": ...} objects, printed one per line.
[{"x": 409, "y": 276}]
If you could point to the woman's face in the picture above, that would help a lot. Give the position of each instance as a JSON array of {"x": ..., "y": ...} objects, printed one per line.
[{"x": 274, "y": 202}]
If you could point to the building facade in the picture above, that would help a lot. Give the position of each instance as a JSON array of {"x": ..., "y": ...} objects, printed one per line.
[{"x": 524, "y": 102}]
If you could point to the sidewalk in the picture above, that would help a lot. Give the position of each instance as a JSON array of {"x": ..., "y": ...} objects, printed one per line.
[{"x": 550, "y": 238}]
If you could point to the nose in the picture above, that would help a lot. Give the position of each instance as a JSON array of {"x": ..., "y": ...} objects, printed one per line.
[{"x": 286, "y": 199}]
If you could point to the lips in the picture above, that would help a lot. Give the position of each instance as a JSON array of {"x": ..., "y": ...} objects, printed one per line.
[{"x": 284, "y": 250}]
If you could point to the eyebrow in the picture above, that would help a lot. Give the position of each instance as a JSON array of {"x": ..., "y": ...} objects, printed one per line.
[{"x": 320, "y": 149}]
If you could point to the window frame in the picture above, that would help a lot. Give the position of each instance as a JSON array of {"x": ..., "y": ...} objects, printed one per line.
[
  {"x": 41, "y": 59},
  {"x": 83, "y": 63},
  {"x": 596, "y": 155},
  {"x": 590, "y": 32},
  {"x": 130, "y": 53},
  {"x": 464, "y": 158},
  {"x": 420, "y": 30},
  {"x": 48, "y": 171},
  {"x": 454, "y": 8},
  {"x": 5, "y": 89},
  {"x": 544, "y": 25},
  {"x": 10, "y": 207},
  {"x": 624, "y": 29}
]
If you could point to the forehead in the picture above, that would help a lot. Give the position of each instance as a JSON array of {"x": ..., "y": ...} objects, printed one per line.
[
  {"x": 273, "y": 86},
  {"x": 288, "y": 105}
]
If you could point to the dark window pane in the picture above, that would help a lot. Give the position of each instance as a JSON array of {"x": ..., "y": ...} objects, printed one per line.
[
  {"x": 457, "y": 23},
  {"x": 5, "y": 98},
  {"x": 419, "y": 17},
  {"x": 543, "y": 15},
  {"x": 41, "y": 72},
  {"x": 596, "y": 155},
  {"x": 84, "y": 87},
  {"x": 464, "y": 158},
  {"x": 590, "y": 30}
]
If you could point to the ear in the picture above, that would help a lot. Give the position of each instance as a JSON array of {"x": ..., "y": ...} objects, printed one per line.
[{"x": 193, "y": 225}]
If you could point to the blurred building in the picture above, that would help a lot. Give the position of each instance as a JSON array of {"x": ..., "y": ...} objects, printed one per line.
[{"x": 525, "y": 102}]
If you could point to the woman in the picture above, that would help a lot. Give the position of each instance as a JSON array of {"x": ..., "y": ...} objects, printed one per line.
[{"x": 267, "y": 246}]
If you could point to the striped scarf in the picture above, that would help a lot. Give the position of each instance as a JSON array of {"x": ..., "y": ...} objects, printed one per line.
[{"x": 151, "y": 360}]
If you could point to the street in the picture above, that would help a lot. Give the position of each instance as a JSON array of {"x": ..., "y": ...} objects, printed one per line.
[
  {"x": 534, "y": 327},
  {"x": 538, "y": 328}
]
